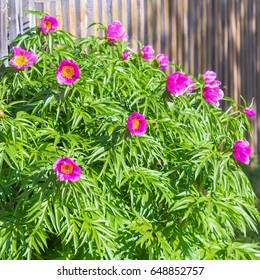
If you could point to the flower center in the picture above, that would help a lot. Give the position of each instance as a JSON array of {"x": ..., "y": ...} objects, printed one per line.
[
  {"x": 47, "y": 24},
  {"x": 66, "y": 168},
  {"x": 136, "y": 123},
  {"x": 21, "y": 60},
  {"x": 67, "y": 72}
]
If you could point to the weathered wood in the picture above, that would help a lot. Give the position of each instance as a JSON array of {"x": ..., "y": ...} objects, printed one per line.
[
  {"x": 3, "y": 29},
  {"x": 257, "y": 97},
  {"x": 13, "y": 12}
]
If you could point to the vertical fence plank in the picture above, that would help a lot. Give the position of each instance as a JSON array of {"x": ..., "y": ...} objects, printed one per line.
[
  {"x": 149, "y": 23},
  {"x": 191, "y": 27},
  {"x": 53, "y": 9},
  {"x": 47, "y": 7},
  {"x": 257, "y": 97},
  {"x": 172, "y": 26},
  {"x": 109, "y": 11},
  {"x": 161, "y": 32},
  {"x": 232, "y": 51},
  {"x": 242, "y": 46},
  {"x": 95, "y": 6},
  {"x": 141, "y": 23},
  {"x": 209, "y": 38},
  {"x": 72, "y": 22},
  {"x": 204, "y": 43},
  {"x": 248, "y": 47},
  {"x": 134, "y": 25},
  {"x": 166, "y": 30},
  {"x": 30, "y": 5},
  {"x": 238, "y": 49},
  {"x": 198, "y": 36},
  {"x": 79, "y": 21},
  {"x": 217, "y": 42},
  {"x": 82, "y": 12},
  {"x": 253, "y": 24},
  {"x": 225, "y": 49},
  {"x": 114, "y": 8},
  {"x": 59, "y": 14},
  {"x": 253, "y": 69},
  {"x": 185, "y": 37},
  {"x": 14, "y": 29},
  {"x": 105, "y": 13},
  {"x": 157, "y": 25},
  {"x": 124, "y": 14},
  {"x": 3, "y": 29},
  {"x": 87, "y": 14},
  {"x": 178, "y": 35},
  {"x": 65, "y": 12},
  {"x": 144, "y": 19}
]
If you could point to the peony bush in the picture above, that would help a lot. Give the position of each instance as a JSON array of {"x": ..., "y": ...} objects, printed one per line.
[{"x": 104, "y": 156}]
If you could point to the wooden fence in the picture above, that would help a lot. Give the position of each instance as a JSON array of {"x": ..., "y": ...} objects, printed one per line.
[{"x": 220, "y": 35}]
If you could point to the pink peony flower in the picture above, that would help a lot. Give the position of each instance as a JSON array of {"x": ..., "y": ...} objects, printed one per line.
[
  {"x": 250, "y": 112},
  {"x": 209, "y": 76},
  {"x": 212, "y": 93},
  {"x": 163, "y": 60},
  {"x": 136, "y": 123},
  {"x": 68, "y": 72},
  {"x": 178, "y": 83},
  {"x": 215, "y": 83},
  {"x": 125, "y": 55},
  {"x": 147, "y": 52},
  {"x": 242, "y": 151},
  {"x": 22, "y": 58},
  {"x": 48, "y": 24},
  {"x": 115, "y": 31},
  {"x": 67, "y": 169}
]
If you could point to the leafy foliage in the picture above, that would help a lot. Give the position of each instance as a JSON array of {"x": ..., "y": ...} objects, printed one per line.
[{"x": 174, "y": 193}]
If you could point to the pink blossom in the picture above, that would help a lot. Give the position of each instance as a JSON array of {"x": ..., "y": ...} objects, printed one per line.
[
  {"x": 210, "y": 79},
  {"x": 250, "y": 112},
  {"x": 215, "y": 83},
  {"x": 209, "y": 76},
  {"x": 147, "y": 52},
  {"x": 115, "y": 31},
  {"x": 67, "y": 169},
  {"x": 178, "y": 83},
  {"x": 242, "y": 151},
  {"x": 68, "y": 72},
  {"x": 212, "y": 93},
  {"x": 22, "y": 58},
  {"x": 163, "y": 60},
  {"x": 48, "y": 24},
  {"x": 136, "y": 123},
  {"x": 125, "y": 55}
]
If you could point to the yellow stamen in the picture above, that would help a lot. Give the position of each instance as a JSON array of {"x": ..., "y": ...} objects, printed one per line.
[
  {"x": 47, "y": 24},
  {"x": 136, "y": 123},
  {"x": 20, "y": 60},
  {"x": 66, "y": 168},
  {"x": 67, "y": 72}
]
